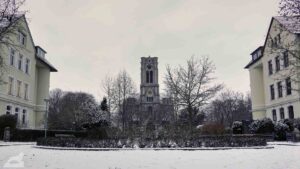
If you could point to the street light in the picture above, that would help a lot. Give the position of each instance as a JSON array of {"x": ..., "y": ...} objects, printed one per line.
[{"x": 46, "y": 117}]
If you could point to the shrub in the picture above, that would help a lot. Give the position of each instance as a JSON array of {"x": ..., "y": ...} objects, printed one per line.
[
  {"x": 289, "y": 123},
  {"x": 213, "y": 129},
  {"x": 7, "y": 121},
  {"x": 33, "y": 135},
  {"x": 280, "y": 131},
  {"x": 297, "y": 123},
  {"x": 262, "y": 126},
  {"x": 203, "y": 141},
  {"x": 237, "y": 127}
]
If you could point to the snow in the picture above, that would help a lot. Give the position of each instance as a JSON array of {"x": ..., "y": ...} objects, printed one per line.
[{"x": 281, "y": 156}]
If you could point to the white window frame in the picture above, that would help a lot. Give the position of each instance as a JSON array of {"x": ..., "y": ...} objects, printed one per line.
[
  {"x": 19, "y": 88},
  {"x": 20, "y": 62},
  {"x": 11, "y": 87},
  {"x": 27, "y": 66},
  {"x": 18, "y": 113},
  {"x": 22, "y": 38},
  {"x": 26, "y": 93},
  {"x": 12, "y": 58},
  {"x": 11, "y": 109},
  {"x": 24, "y": 119}
]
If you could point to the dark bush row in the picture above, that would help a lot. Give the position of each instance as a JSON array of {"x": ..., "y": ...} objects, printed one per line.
[
  {"x": 33, "y": 135},
  {"x": 203, "y": 141}
]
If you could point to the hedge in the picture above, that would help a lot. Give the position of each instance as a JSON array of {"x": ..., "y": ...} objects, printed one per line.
[
  {"x": 33, "y": 135},
  {"x": 203, "y": 141}
]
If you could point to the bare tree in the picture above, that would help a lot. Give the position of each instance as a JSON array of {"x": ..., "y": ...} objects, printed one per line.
[
  {"x": 289, "y": 7},
  {"x": 123, "y": 88},
  {"x": 9, "y": 16},
  {"x": 55, "y": 117},
  {"x": 192, "y": 85},
  {"x": 230, "y": 106},
  {"x": 285, "y": 45},
  {"x": 107, "y": 87},
  {"x": 71, "y": 110}
]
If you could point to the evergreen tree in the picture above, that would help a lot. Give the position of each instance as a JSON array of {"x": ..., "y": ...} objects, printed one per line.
[{"x": 103, "y": 105}]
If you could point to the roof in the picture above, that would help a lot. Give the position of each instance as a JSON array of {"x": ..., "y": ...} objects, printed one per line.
[
  {"x": 291, "y": 23},
  {"x": 49, "y": 65},
  {"x": 5, "y": 22},
  {"x": 256, "y": 50},
  {"x": 253, "y": 61}
]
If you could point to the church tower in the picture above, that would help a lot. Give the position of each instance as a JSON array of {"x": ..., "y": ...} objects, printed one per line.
[{"x": 149, "y": 89}]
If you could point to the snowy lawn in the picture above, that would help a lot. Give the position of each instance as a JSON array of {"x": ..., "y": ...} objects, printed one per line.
[{"x": 280, "y": 157}]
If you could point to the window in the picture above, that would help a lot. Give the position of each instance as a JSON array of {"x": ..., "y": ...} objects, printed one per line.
[
  {"x": 12, "y": 57},
  {"x": 10, "y": 85},
  {"x": 151, "y": 76},
  {"x": 291, "y": 112},
  {"x": 277, "y": 63},
  {"x": 275, "y": 42},
  {"x": 25, "y": 91},
  {"x": 19, "y": 83},
  {"x": 274, "y": 115},
  {"x": 149, "y": 99},
  {"x": 20, "y": 62},
  {"x": 270, "y": 66},
  {"x": 24, "y": 116},
  {"x": 281, "y": 111},
  {"x": 147, "y": 77},
  {"x": 22, "y": 38},
  {"x": 27, "y": 65},
  {"x": 288, "y": 86},
  {"x": 17, "y": 112},
  {"x": 272, "y": 92},
  {"x": 285, "y": 59},
  {"x": 8, "y": 109},
  {"x": 279, "y": 86},
  {"x": 40, "y": 52}
]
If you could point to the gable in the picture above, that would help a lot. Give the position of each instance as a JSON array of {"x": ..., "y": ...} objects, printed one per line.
[{"x": 24, "y": 28}]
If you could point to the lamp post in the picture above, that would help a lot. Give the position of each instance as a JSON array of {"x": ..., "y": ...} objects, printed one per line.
[{"x": 46, "y": 117}]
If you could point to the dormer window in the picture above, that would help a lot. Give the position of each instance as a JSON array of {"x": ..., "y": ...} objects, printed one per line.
[
  {"x": 22, "y": 38},
  {"x": 40, "y": 52}
]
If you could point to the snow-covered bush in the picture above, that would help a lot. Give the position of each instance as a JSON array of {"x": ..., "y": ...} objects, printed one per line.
[
  {"x": 297, "y": 123},
  {"x": 289, "y": 123},
  {"x": 280, "y": 130},
  {"x": 237, "y": 127},
  {"x": 262, "y": 126}
]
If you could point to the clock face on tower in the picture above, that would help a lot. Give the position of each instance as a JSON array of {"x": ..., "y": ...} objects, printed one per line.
[
  {"x": 149, "y": 92},
  {"x": 149, "y": 66}
]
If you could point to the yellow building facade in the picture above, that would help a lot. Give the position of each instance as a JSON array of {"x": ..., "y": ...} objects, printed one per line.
[
  {"x": 273, "y": 70},
  {"x": 27, "y": 77}
]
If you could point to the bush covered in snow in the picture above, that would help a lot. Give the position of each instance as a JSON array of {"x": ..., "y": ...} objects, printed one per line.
[
  {"x": 280, "y": 131},
  {"x": 289, "y": 123},
  {"x": 237, "y": 127},
  {"x": 203, "y": 141},
  {"x": 262, "y": 126},
  {"x": 297, "y": 123}
]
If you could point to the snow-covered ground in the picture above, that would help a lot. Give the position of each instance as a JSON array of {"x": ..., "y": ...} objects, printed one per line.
[{"x": 280, "y": 157}]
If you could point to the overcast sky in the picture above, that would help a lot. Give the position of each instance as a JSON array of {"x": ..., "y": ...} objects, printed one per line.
[{"x": 88, "y": 39}]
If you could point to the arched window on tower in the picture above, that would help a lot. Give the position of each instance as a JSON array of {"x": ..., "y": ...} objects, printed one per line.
[
  {"x": 147, "y": 77},
  {"x": 151, "y": 76}
]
